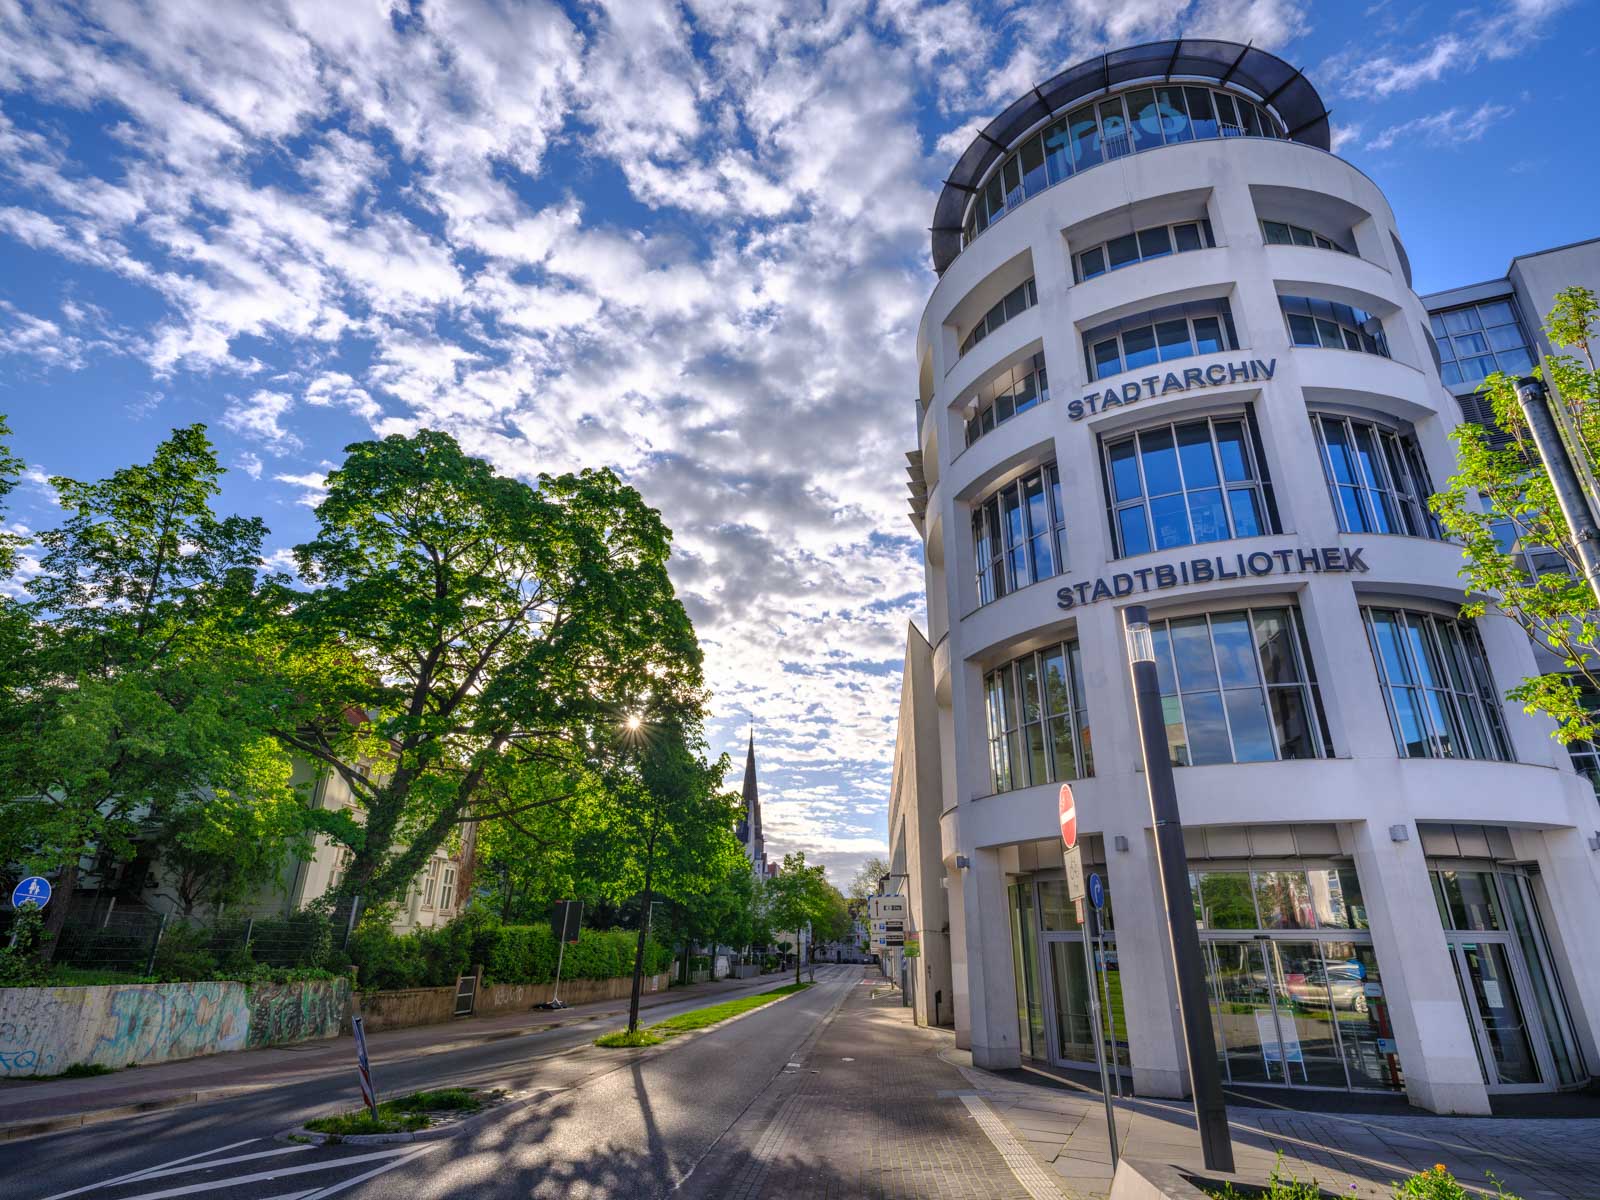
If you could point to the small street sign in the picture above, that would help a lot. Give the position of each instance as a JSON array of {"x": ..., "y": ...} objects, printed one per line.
[
  {"x": 912, "y": 947},
  {"x": 35, "y": 889},
  {"x": 1069, "y": 817},
  {"x": 1097, "y": 890},
  {"x": 363, "y": 1068},
  {"x": 1074, "y": 862}
]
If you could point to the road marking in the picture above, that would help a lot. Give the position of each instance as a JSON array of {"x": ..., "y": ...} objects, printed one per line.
[
  {"x": 1034, "y": 1178},
  {"x": 220, "y": 1162},
  {"x": 143, "y": 1171},
  {"x": 349, "y": 1183},
  {"x": 239, "y": 1180}
]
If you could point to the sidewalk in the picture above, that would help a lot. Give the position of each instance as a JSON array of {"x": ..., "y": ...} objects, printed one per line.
[
  {"x": 28, "y": 1108},
  {"x": 1359, "y": 1155}
]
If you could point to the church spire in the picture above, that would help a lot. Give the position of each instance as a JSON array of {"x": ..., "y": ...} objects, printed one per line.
[{"x": 754, "y": 842}]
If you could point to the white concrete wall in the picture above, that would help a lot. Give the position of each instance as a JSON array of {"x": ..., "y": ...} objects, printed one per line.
[{"x": 1365, "y": 787}]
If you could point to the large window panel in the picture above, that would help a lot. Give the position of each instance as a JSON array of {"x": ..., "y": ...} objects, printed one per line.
[
  {"x": 1238, "y": 687},
  {"x": 1008, "y": 394},
  {"x": 1159, "y": 335},
  {"x": 1332, "y": 325},
  {"x": 1019, "y": 534},
  {"x": 1376, "y": 477},
  {"x": 1185, "y": 484},
  {"x": 1038, "y": 726},
  {"x": 1440, "y": 696}
]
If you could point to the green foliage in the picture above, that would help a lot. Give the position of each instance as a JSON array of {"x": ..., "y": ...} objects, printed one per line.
[
  {"x": 1280, "y": 1186},
  {"x": 486, "y": 633},
  {"x": 799, "y": 895},
  {"x": 21, "y": 963},
  {"x": 712, "y": 1014},
  {"x": 1555, "y": 608},
  {"x": 865, "y": 881},
  {"x": 403, "y": 1114},
  {"x": 627, "y": 1038},
  {"x": 1437, "y": 1183}
]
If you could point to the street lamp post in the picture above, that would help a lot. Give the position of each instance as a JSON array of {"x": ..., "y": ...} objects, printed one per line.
[{"x": 1205, "y": 1078}]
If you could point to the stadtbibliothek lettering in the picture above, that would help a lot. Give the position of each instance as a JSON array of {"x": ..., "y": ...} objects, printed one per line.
[
  {"x": 1293, "y": 561},
  {"x": 1252, "y": 370}
]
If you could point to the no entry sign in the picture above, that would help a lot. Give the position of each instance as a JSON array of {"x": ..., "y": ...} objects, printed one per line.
[{"x": 1069, "y": 817}]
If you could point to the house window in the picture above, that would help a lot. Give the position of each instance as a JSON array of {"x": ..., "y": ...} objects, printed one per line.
[
  {"x": 1038, "y": 726},
  {"x": 1533, "y": 560},
  {"x": 447, "y": 889},
  {"x": 1189, "y": 482},
  {"x": 429, "y": 885},
  {"x": 1156, "y": 242},
  {"x": 1478, "y": 339},
  {"x": 1238, "y": 687},
  {"x": 1278, "y": 233},
  {"x": 1376, "y": 477},
  {"x": 1009, "y": 393},
  {"x": 1159, "y": 335},
  {"x": 1441, "y": 698},
  {"x": 1019, "y": 534},
  {"x": 1332, "y": 325},
  {"x": 1017, "y": 301}
]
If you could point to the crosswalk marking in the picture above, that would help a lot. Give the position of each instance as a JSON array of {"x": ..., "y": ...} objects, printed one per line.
[
  {"x": 240, "y": 1180},
  {"x": 143, "y": 1171},
  {"x": 218, "y": 1162}
]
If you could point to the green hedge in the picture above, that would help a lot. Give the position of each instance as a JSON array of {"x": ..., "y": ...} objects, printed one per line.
[{"x": 509, "y": 954}]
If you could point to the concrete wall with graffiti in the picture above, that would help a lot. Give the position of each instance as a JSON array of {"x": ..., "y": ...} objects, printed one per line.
[{"x": 43, "y": 1031}]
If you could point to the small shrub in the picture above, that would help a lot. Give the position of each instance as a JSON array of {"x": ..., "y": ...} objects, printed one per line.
[
  {"x": 182, "y": 956},
  {"x": 622, "y": 1038},
  {"x": 403, "y": 1114}
]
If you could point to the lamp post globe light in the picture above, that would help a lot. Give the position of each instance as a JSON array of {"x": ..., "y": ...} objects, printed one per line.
[{"x": 1174, "y": 360}]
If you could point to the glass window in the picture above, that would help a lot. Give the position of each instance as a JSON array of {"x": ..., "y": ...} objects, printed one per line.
[
  {"x": 1139, "y": 347},
  {"x": 1114, "y": 128},
  {"x": 1331, "y": 325},
  {"x": 1483, "y": 338},
  {"x": 1375, "y": 477},
  {"x": 1038, "y": 726},
  {"x": 1154, "y": 243},
  {"x": 1122, "y": 250},
  {"x": 1034, "y": 177},
  {"x": 1336, "y": 898},
  {"x": 1195, "y": 481},
  {"x": 1084, "y": 131},
  {"x": 1436, "y": 685},
  {"x": 1007, "y": 394},
  {"x": 1092, "y": 262},
  {"x": 1158, "y": 241},
  {"x": 1187, "y": 237},
  {"x": 1174, "y": 116},
  {"x": 1283, "y": 899},
  {"x": 1019, "y": 299},
  {"x": 1178, "y": 331},
  {"x": 1238, "y": 687},
  {"x": 1018, "y": 534},
  {"x": 1225, "y": 900},
  {"x": 1201, "y": 117}
]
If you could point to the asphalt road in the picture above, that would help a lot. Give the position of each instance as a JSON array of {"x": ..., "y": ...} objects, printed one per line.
[{"x": 590, "y": 1123}]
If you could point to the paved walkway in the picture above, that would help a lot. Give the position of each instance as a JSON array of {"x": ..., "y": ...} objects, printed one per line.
[
  {"x": 1356, "y": 1155},
  {"x": 25, "y": 1103},
  {"x": 868, "y": 1110}
]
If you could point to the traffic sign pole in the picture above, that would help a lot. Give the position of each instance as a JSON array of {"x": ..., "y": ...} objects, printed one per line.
[{"x": 1099, "y": 1042}]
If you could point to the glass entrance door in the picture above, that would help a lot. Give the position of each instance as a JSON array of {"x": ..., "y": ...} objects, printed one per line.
[{"x": 1506, "y": 1044}]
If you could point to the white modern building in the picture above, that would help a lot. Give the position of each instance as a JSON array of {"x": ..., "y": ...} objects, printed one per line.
[{"x": 1174, "y": 357}]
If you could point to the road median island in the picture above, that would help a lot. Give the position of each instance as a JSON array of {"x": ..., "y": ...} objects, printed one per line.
[
  {"x": 695, "y": 1019},
  {"x": 418, "y": 1116}
]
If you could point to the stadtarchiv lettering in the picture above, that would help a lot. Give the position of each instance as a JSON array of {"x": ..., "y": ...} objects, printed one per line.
[{"x": 1252, "y": 370}]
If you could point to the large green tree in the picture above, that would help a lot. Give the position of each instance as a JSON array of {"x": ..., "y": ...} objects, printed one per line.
[
  {"x": 131, "y": 697},
  {"x": 1502, "y": 506},
  {"x": 798, "y": 896},
  {"x": 471, "y": 643}
]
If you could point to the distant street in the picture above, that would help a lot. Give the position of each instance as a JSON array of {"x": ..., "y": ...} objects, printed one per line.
[{"x": 608, "y": 1124}]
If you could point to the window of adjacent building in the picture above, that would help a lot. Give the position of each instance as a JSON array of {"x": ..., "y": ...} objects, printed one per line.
[
  {"x": 1238, "y": 687},
  {"x": 429, "y": 885},
  {"x": 1376, "y": 477},
  {"x": 1160, "y": 335},
  {"x": 1019, "y": 534},
  {"x": 1018, "y": 300},
  {"x": 1332, "y": 325},
  {"x": 447, "y": 889},
  {"x": 1007, "y": 394},
  {"x": 1478, "y": 339},
  {"x": 1156, "y": 242},
  {"x": 1193, "y": 481},
  {"x": 1142, "y": 119},
  {"x": 1279, "y": 233},
  {"x": 1441, "y": 698},
  {"x": 1038, "y": 726},
  {"x": 1534, "y": 560}
]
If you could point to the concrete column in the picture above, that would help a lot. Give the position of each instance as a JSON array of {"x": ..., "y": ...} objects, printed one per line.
[
  {"x": 1347, "y": 678},
  {"x": 1568, "y": 892},
  {"x": 959, "y": 977},
  {"x": 1144, "y": 957},
  {"x": 1419, "y": 979},
  {"x": 992, "y": 986}
]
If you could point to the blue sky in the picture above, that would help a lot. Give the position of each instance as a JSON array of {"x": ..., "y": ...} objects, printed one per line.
[{"x": 687, "y": 240}]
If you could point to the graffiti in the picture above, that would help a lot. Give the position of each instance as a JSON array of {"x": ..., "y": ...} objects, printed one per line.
[
  {"x": 296, "y": 1012},
  {"x": 166, "y": 1021},
  {"x": 18, "y": 1060}
]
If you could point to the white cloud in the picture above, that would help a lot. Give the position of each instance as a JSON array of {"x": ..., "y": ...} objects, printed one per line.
[
  {"x": 1453, "y": 126},
  {"x": 313, "y": 485},
  {"x": 259, "y": 417}
]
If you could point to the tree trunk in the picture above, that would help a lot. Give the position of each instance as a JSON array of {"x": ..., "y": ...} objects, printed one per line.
[
  {"x": 638, "y": 950},
  {"x": 56, "y": 914},
  {"x": 797, "y": 945}
]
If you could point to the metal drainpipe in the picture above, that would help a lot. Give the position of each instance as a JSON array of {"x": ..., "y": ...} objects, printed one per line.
[{"x": 1534, "y": 398}]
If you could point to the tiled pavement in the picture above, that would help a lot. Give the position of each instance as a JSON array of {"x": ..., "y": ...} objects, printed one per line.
[{"x": 1354, "y": 1155}]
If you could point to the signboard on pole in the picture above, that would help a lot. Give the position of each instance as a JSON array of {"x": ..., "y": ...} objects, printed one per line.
[
  {"x": 912, "y": 947},
  {"x": 1097, "y": 890},
  {"x": 1067, "y": 809},
  {"x": 35, "y": 889},
  {"x": 1076, "y": 887},
  {"x": 566, "y": 920},
  {"x": 364, "y": 1068}
]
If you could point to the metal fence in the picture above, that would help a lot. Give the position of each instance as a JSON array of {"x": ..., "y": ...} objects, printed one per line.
[{"x": 130, "y": 940}]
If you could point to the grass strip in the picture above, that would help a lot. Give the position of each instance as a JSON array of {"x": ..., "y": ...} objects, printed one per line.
[
  {"x": 401, "y": 1115},
  {"x": 698, "y": 1018}
]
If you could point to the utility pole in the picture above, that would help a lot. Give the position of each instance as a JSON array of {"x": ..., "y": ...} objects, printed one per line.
[
  {"x": 1205, "y": 1077},
  {"x": 1534, "y": 398}
]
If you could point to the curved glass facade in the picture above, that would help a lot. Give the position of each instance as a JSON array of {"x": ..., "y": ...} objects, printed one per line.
[{"x": 1111, "y": 128}]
